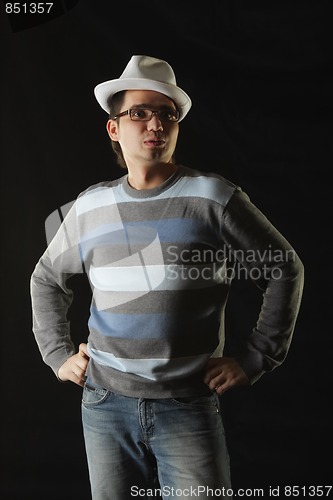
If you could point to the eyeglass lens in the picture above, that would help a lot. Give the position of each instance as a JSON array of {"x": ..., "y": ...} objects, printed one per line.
[{"x": 143, "y": 114}]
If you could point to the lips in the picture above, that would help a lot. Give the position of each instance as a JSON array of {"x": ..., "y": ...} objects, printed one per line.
[{"x": 154, "y": 143}]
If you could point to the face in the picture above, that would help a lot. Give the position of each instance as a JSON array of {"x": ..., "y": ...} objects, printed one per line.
[{"x": 146, "y": 142}]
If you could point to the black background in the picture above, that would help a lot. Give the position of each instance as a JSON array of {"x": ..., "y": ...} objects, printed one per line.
[{"x": 258, "y": 73}]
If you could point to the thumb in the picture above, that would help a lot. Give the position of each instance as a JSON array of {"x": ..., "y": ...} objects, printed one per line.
[{"x": 83, "y": 351}]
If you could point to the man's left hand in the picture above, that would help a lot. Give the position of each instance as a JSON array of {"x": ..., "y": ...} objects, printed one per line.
[{"x": 221, "y": 374}]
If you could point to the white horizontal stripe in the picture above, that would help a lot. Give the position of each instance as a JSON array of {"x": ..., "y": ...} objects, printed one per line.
[
  {"x": 138, "y": 278},
  {"x": 129, "y": 274},
  {"x": 152, "y": 369},
  {"x": 138, "y": 281},
  {"x": 127, "y": 278}
]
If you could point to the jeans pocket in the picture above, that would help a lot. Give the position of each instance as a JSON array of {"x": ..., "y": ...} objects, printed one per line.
[
  {"x": 208, "y": 402},
  {"x": 93, "y": 396}
]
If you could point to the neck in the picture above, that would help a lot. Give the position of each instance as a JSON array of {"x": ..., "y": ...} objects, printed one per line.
[{"x": 148, "y": 178}]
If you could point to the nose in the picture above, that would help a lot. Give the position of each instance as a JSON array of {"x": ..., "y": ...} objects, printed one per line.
[{"x": 154, "y": 123}]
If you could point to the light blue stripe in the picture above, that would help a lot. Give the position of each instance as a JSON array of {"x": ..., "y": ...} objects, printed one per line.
[
  {"x": 183, "y": 230},
  {"x": 141, "y": 232},
  {"x": 96, "y": 198},
  {"x": 178, "y": 229},
  {"x": 158, "y": 369},
  {"x": 210, "y": 187},
  {"x": 203, "y": 186},
  {"x": 152, "y": 325}
]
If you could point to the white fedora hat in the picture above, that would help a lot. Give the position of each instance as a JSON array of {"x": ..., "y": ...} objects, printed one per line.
[{"x": 145, "y": 73}]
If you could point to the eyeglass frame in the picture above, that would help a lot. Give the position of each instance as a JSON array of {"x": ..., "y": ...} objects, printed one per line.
[{"x": 153, "y": 111}]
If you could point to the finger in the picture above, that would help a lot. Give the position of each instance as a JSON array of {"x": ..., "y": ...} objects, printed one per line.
[
  {"x": 80, "y": 367},
  {"x": 78, "y": 375},
  {"x": 220, "y": 389},
  {"x": 77, "y": 380},
  {"x": 83, "y": 351},
  {"x": 212, "y": 373},
  {"x": 216, "y": 382}
]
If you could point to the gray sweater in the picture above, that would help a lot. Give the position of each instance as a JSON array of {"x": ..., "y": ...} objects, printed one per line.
[{"x": 160, "y": 263}]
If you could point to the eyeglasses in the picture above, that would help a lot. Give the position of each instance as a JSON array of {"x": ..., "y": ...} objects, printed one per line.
[{"x": 145, "y": 114}]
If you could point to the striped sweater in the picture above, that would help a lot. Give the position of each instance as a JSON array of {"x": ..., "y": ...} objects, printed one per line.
[{"x": 160, "y": 263}]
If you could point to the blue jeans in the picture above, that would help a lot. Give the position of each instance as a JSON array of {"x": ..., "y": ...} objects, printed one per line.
[{"x": 154, "y": 448}]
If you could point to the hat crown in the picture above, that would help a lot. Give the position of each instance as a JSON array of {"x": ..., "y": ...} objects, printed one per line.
[
  {"x": 145, "y": 73},
  {"x": 149, "y": 68}
]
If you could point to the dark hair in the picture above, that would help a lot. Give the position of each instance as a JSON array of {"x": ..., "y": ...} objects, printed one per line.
[{"x": 115, "y": 102}]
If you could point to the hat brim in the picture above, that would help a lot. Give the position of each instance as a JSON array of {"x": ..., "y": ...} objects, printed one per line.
[{"x": 105, "y": 90}]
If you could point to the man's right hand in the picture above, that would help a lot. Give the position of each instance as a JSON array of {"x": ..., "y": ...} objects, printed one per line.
[{"x": 74, "y": 369}]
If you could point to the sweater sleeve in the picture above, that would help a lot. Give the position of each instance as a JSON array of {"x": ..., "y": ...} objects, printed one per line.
[
  {"x": 50, "y": 295},
  {"x": 277, "y": 270}
]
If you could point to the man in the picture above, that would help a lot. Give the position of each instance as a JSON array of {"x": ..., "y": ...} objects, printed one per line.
[{"x": 160, "y": 246}]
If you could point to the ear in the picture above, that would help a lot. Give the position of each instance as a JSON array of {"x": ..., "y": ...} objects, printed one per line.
[{"x": 112, "y": 129}]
